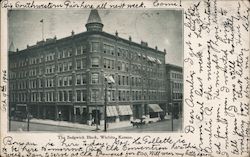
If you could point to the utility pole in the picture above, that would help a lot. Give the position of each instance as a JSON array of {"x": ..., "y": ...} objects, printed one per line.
[
  {"x": 28, "y": 112},
  {"x": 96, "y": 115},
  {"x": 171, "y": 104},
  {"x": 105, "y": 105}
]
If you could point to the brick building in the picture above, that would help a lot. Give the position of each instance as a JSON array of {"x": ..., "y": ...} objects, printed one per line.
[
  {"x": 64, "y": 78},
  {"x": 174, "y": 88}
]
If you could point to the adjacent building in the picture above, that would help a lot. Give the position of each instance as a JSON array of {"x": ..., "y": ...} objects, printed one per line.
[
  {"x": 174, "y": 88},
  {"x": 65, "y": 78}
]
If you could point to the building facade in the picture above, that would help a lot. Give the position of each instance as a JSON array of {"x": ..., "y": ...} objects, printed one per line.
[
  {"x": 174, "y": 88},
  {"x": 65, "y": 78}
]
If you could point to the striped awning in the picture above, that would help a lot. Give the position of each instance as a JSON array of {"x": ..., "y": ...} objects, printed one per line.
[
  {"x": 111, "y": 111},
  {"x": 125, "y": 110},
  {"x": 155, "y": 108},
  {"x": 158, "y": 61}
]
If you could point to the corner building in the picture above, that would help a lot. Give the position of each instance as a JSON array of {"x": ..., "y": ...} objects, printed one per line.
[{"x": 64, "y": 78}]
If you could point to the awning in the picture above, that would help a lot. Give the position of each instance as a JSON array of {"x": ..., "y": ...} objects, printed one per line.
[
  {"x": 158, "y": 61},
  {"x": 148, "y": 58},
  {"x": 109, "y": 78},
  {"x": 155, "y": 108},
  {"x": 111, "y": 111},
  {"x": 124, "y": 110}
]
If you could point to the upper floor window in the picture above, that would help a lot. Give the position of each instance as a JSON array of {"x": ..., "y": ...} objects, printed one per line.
[
  {"x": 94, "y": 78},
  {"x": 95, "y": 47},
  {"x": 95, "y": 62}
]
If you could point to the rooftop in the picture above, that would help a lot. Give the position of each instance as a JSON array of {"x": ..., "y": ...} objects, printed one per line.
[{"x": 93, "y": 21}]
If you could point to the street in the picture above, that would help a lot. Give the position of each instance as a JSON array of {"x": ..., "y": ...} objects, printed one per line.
[
  {"x": 161, "y": 126},
  {"x": 22, "y": 126}
]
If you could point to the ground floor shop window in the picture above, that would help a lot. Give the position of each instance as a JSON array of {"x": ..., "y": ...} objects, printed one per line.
[
  {"x": 125, "y": 118},
  {"x": 111, "y": 119},
  {"x": 153, "y": 114}
]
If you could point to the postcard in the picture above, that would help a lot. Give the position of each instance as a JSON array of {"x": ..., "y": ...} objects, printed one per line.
[{"x": 148, "y": 78}]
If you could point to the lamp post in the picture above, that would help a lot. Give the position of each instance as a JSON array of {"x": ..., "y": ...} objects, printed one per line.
[
  {"x": 171, "y": 104},
  {"x": 96, "y": 115},
  {"x": 28, "y": 112},
  {"x": 10, "y": 112},
  {"x": 105, "y": 106},
  {"x": 108, "y": 80}
]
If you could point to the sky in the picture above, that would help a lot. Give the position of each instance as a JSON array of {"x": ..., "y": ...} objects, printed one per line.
[{"x": 161, "y": 28}]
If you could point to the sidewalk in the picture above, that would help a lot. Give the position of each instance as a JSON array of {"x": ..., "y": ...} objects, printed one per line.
[{"x": 80, "y": 126}]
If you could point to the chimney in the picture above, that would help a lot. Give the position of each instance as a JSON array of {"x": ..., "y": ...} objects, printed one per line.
[
  {"x": 144, "y": 43},
  {"x": 116, "y": 33},
  {"x": 17, "y": 50},
  {"x": 130, "y": 39},
  {"x": 156, "y": 48},
  {"x": 72, "y": 33}
]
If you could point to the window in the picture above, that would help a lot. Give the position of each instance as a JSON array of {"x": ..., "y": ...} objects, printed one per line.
[
  {"x": 70, "y": 80},
  {"x": 112, "y": 64},
  {"x": 60, "y": 67},
  {"x": 83, "y": 63},
  {"x": 79, "y": 50},
  {"x": 123, "y": 67},
  {"x": 105, "y": 63},
  {"x": 78, "y": 95},
  {"x": 119, "y": 95},
  {"x": 70, "y": 95},
  {"x": 119, "y": 80},
  {"x": 94, "y": 95},
  {"x": 65, "y": 81},
  {"x": 60, "y": 81},
  {"x": 123, "y": 80},
  {"x": 70, "y": 65},
  {"x": 84, "y": 96},
  {"x": 65, "y": 93},
  {"x": 65, "y": 66},
  {"x": 60, "y": 95},
  {"x": 65, "y": 53},
  {"x": 95, "y": 46},
  {"x": 95, "y": 62},
  {"x": 123, "y": 95},
  {"x": 127, "y": 95},
  {"x": 78, "y": 64},
  {"x": 94, "y": 78},
  {"x": 84, "y": 79},
  {"x": 119, "y": 65},
  {"x": 70, "y": 52},
  {"x": 78, "y": 79}
]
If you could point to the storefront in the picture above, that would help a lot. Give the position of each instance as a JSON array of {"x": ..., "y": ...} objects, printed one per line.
[
  {"x": 154, "y": 110},
  {"x": 125, "y": 112}
]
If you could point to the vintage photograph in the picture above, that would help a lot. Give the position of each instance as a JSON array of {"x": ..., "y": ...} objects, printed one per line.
[{"x": 95, "y": 70}]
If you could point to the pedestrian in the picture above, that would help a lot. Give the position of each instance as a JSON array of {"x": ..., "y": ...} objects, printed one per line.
[
  {"x": 92, "y": 121},
  {"x": 60, "y": 115}
]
